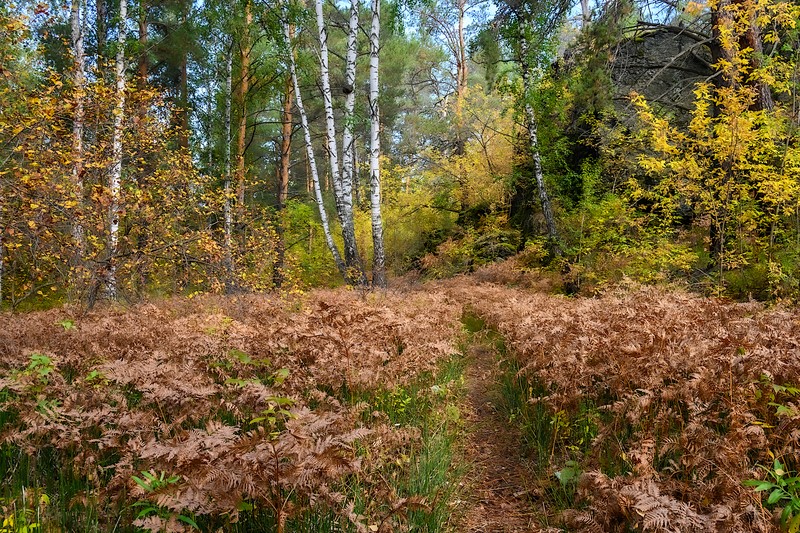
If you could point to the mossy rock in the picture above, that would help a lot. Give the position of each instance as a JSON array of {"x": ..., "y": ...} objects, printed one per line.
[{"x": 496, "y": 245}]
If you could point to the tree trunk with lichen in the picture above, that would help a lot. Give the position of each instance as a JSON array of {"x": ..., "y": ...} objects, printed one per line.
[
  {"x": 378, "y": 254},
  {"x": 312, "y": 162}
]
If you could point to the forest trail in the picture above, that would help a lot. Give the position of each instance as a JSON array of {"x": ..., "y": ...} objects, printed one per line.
[{"x": 498, "y": 498}]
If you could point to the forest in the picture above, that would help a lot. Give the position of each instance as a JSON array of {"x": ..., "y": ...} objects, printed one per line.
[{"x": 399, "y": 265}]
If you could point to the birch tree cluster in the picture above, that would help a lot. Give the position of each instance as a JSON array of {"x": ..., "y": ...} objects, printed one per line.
[{"x": 177, "y": 146}]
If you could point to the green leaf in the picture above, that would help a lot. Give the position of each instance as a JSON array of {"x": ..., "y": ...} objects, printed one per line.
[
  {"x": 187, "y": 520},
  {"x": 142, "y": 483},
  {"x": 147, "y": 511},
  {"x": 759, "y": 485},
  {"x": 280, "y": 376},
  {"x": 775, "y": 497},
  {"x": 243, "y": 357},
  {"x": 281, "y": 401},
  {"x": 794, "y": 524},
  {"x": 569, "y": 474}
]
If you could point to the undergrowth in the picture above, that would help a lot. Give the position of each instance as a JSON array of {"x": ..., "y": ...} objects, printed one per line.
[
  {"x": 643, "y": 411},
  {"x": 221, "y": 414},
  {"x": 650, "y": 410}
]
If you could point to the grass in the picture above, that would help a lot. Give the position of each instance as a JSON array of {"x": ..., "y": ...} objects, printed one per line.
[
  {"x": 58, "y": 493},
  {"x": 560, "y": 443},
  {"x": 429, "y": 404}
]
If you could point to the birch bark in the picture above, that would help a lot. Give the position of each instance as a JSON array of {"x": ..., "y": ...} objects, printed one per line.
[
  {"x": 352, "y": 257},
  {"x": 378, "y": 257},
  {"x": 530, "y": 115},
  {"x": 116, "y": 157},
  {"x": 344, "y": 201},
  {"x": 312, "y": 162}
]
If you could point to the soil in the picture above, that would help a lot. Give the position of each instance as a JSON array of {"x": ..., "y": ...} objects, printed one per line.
[{"x": 498, "y": 498}]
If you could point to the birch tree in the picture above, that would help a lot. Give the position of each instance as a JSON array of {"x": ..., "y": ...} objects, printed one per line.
[
  {"x": 526, "y": 27},
  {"x": 348, "y": 139},
  {"x": 378, "y": 257},
  {"x": 344, "y": 202},
  {"x": 533, "y": 137},
  {"x": 312, "y": 162},
  {"x": 116, "y": 154}
]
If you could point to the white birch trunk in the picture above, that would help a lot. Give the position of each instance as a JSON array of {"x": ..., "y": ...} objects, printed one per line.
[
  {"x": 312, "y": 162},
  {"x": 348, "y": 149},
  {"x": 344, "y": 202},
  {"x": 77, "y": 132},
  {"x": 530, "y": 115},
  {"x": 228, "y": 211},
  {"x": 378, "y": 258},
  {"x": 116, "y": 151},
  {"x": 327, "y": 99},
  {"x": 586, "y": 13},
  {"x": 356, "y": 175}
]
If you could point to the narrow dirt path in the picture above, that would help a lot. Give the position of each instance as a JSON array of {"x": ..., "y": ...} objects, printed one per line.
[{"x": 499, "y": 499}]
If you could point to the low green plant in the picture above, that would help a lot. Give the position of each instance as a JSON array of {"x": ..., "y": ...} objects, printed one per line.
[
  {"x": 67, "y": 324},
  {"x": 41, "y": 365},
  {"x": 275, "y": 416},
  {"x": 96, "y": 378},
  {"x": 783, "y": 487},
  {"x": 609, "y": 241},
  {"x": 25, "y": 517},
  {"x": 151, "y": 482}
]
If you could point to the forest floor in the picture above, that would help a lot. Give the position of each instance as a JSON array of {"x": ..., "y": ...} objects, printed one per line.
[
  {"x": 497, "y": 489},
  {"x": 471, "y": 405}
]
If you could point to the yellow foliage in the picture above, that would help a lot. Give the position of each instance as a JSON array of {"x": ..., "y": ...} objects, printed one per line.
[{"x": 736, "y": 166}]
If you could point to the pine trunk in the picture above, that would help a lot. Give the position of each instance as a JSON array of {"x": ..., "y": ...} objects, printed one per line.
[
  {"x": 586, "y": 13},
  {"x": 144, "y": 62},
  {"x": 356, "y": 175},
  {"x": 461, "y": 79},
  {"x": 228, "y": 212},
  {"x": 77, "y": 137},
  {"x": 378, "y": 257},
  {"x": 244, "y": 87},
  {"x": 2, "y": 246},
  {"x": 101, "y": 13},
  {"x": 312, "y": 163},
  {"x": 116, "y": 157},
  {"x": 283, "y": 180},
  {"x": 183, "y": 127}
]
